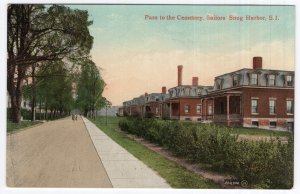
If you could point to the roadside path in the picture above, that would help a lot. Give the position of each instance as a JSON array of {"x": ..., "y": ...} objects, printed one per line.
[
  {"x": 123, "y": 169},
  {"x": 55, "y": 154}
]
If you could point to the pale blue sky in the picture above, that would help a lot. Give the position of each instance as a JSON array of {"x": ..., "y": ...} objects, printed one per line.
[
  {"x": 131, "y": 50},
  {"x": 120, "y": 25}
]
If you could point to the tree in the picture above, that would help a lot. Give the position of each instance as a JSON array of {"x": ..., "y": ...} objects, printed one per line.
[
  {"x": 36, "y": 35},
  {"x": 89, "y": 88},
  {"x": 53, "y": 89}
]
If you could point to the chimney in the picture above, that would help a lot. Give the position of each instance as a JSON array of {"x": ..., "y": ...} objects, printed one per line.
[
  {"x": 146, "y": 94},
  {"x": 257, "y": 62},
  {"x": 195, "y": 81},
  {"x": 179, "y": 67},
  {"x": 164, "y": 90}
]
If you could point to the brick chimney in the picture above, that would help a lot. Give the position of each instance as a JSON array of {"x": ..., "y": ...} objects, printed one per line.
[
  {"x": 179, "y": 67},
  {"x": 146, "y": 94},
  {"x": 164, "y": 90},
  {"x": 195, "y": 81},
  {"x": 257, "y": 62}
]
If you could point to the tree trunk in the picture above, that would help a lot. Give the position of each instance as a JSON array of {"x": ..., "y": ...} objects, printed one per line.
[
  {"x": 51, "y": 115},
  {"x": 40, "y": 109},
  {"x": 16, "y": 98},
  {"x": 15, "y": 90},
  {"x": 16, "y": 110},
  {"x": 85, "y": 112},
  {"x": 33, "y": 94},
  {"x": 46, "y": 113}
]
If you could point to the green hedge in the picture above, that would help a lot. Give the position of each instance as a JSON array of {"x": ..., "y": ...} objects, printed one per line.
[
  {"x": 262, "y": 164},
  {"x": 26, "y": 114}
]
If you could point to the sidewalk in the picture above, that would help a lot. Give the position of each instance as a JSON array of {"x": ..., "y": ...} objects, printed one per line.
[{"x": 123, "y": 169}]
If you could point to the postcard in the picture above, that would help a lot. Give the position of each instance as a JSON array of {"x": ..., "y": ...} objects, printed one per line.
[{"x": 168, "y": 96}]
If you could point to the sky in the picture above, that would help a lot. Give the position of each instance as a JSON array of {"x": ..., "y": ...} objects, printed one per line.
[{"x": 138, "y": 55}]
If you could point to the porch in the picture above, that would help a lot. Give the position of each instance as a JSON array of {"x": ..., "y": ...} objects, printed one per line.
[{"x": 226, "y": 108}]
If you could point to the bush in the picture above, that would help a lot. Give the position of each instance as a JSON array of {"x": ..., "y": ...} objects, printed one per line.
[
  {"x": 26, "y": 114},
  {"x": 262, "y": 164}
]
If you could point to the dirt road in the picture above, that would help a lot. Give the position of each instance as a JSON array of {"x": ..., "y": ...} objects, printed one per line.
[{"x": 56, "y": 154}]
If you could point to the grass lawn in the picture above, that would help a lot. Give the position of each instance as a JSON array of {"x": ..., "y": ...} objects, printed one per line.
[
  {"x": 261, "y": 132},
  {"x": 12, "y": 127},
  {"x": 175, "y": 175}
]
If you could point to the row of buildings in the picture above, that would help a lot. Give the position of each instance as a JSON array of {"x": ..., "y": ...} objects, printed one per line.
[{"x": 254, "y": 97}]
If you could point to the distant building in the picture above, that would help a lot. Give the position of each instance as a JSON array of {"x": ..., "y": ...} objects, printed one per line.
[
  {"x": 111, "y": 111},
  {"x": 256, "y": 97}
]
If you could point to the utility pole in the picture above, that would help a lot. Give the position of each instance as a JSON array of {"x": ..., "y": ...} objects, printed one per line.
[{"x": 107, "y": 104}]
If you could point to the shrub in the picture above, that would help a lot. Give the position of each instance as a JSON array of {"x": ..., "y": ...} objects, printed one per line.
[{"x": 262, "y": 164}]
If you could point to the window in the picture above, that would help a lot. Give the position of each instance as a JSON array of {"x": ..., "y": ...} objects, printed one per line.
[
  {"x": 271, "y": 80},
  {"x": 187, "y": 108},
  {"x": 199, "y": 108},
  {"x": 272, "y": 106},
  {"x": 289, "y": 106},
  {"x": 255, "y": 123},
  {"x": 254, "y": 107},
  {"x": 289, "y": 80},
  {"x": 156, "y": 110},
  {"x": 273, "y": 124},
  {"x": 187, "y": 91},
  {"x": 209, "y": 109},
  {"x": 219, "y": 83},
  {"x": 254, "y": 79},
  {"x": 235, "y": 80}
]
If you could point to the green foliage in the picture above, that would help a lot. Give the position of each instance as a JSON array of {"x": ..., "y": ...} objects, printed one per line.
[
  {"x": 89, "y": 88},
  {"x": 38, "y": 35},
  {"x": 26, "y": 114},
  {"x": 262, "y": 164},
  {"x": 54, "y": 87}
]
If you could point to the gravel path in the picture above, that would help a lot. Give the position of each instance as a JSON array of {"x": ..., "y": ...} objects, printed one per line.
[{"x": 56, "y": 154}]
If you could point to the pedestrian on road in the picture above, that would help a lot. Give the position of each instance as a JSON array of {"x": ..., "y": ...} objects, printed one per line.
[
  {"x": 76, "y": 117},
  {"x": 73, "y": 116}
]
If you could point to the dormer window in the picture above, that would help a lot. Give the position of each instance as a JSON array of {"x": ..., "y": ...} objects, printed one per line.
[
  {"x": 219, "y": 84},
  {"x": 235, "y": 80},
  {"x": 271, "y": 80},
  {"x": 156, "y": 98},
  {"x": 187, "y": 91},
  {"x": 177, "y": 92},
  {"x": 254, "y": 79},
  {"x": 289, "y": 80}
]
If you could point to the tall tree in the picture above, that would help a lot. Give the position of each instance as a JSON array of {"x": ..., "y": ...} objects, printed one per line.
[
  {"x": 36, "y": 34},
  {"x": 89, "y": 88},
  {"x": 54, "y": 88}
]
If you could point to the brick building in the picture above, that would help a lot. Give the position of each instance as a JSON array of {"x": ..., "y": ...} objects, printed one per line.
[
  {"x": 183, "y": 102},
  {"x": 254, "y": 97}
]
